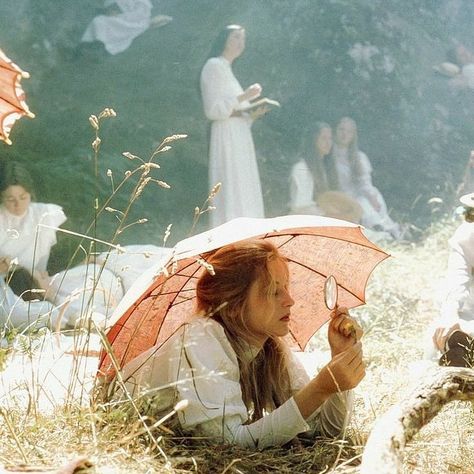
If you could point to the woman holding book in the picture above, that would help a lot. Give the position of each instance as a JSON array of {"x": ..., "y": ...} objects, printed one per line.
[{"x": 232, "y": 159}]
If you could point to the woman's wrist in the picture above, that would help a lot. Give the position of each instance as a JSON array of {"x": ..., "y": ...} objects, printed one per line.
[{"x": 312, "y": 396}]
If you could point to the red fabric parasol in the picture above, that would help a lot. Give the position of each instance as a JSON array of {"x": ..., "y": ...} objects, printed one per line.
[
  {"x": 315, "y": 247},
  {"x": 12, "y": 96}
]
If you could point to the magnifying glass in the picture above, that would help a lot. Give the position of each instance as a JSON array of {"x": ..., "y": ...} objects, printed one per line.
[
  {"x": 330, "y": 298},
  {"x": 330, "y": 292}
]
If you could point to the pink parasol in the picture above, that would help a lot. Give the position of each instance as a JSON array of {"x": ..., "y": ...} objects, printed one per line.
[
  {"x": 159, "y": 303},
  {"x": 12, "y": 96}
]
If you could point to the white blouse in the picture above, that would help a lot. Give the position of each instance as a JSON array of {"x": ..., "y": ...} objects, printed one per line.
[
  {"x": 302, "y": 190},
  {"x": 198, "y": 364},
  {"x": 356, "y": 187},
  {"x": 24, "y": 237},
  {"x": 459, "y": 299}
]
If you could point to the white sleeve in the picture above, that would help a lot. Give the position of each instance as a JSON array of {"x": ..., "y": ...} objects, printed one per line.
[
  {"x": 459, "y": 276},
  {"x": 302, "y": 189},
  {"x": 218, "y": 102},
  {"x": 52, "y": 216},
  {"x": 332, "y": 417},
  {"x": 20, "y": 314},
  {"x": 209, "y": 381},
  {"x": 364, "y": 181}
]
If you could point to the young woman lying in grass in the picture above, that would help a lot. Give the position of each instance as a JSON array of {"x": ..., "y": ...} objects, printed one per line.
[{"x": 230, "y": 363}]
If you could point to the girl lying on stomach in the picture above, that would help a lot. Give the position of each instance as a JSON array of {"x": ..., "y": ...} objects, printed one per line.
[{"x": 230, "y": 363}]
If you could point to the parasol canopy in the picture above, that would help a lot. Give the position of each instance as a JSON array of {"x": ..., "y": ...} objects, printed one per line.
[
  {"x": 12, "y": 96},
  {"x": 158, "y": 304}
]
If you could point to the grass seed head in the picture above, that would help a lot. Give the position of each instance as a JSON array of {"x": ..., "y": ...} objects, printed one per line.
[
  {"x": 215, "y": 190},
  {"x": 107, "y": 113},
  {"x": 94, "y": 122},
  {"x": 96, "y": 144},
  {"x": 130, "y": 156}
]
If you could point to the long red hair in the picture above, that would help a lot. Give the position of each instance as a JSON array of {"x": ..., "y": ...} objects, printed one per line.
[{"x": 223, "y": 294}]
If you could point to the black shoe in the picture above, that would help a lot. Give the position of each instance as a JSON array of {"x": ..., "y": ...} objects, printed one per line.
[{"x": 459, "y": 351}]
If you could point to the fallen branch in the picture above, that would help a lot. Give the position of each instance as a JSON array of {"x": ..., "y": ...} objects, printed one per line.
[{"x": 383, "y": 453}]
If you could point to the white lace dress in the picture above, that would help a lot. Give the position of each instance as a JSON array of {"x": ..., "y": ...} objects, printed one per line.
[
  {"x": 118, "y": 31},
  {"x": 85, "y": 291},
  {"x": 375, "y": 213},
  {"x": 232, "y": 159}
]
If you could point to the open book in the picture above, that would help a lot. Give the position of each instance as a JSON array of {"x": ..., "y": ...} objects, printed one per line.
[{"x": 263, "y": 102}]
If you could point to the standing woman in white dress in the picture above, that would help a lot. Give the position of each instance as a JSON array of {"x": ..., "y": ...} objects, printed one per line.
[
  {"x": 354, "y": 177},
  {"x": 22, "y": 236},
  {"x": 232, "y": 159}
]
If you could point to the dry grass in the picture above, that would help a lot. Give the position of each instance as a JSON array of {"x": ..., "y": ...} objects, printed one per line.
[{"x": 401, "y": 302}]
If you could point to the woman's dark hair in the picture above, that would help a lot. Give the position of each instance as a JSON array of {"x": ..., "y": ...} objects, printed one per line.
[
  {"x": 322, "y": 169},
  {"x": 219, "y": 43},
  {"x": 22, "y": 282},
  {"x": 13, "y": 173}
]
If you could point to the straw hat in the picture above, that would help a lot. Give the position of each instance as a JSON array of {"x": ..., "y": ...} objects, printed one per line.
[
  {"x": 340, "y": 206},
  {"x": 467, "y": 200}
]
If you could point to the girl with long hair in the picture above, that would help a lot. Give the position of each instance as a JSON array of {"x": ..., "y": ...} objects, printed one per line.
[
  {"x": 241, "y": 383},
  {"x": 314, "y": 184}
]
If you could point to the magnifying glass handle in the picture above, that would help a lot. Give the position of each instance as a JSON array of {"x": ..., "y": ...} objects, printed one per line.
[{"x": 348, "y": 325}]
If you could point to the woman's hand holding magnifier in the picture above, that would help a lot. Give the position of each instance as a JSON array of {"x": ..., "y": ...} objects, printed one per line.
[{"x": 343, "y": 330}]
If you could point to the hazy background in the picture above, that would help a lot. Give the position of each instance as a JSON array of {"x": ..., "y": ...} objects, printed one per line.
[{"x": 372, "y": 60}]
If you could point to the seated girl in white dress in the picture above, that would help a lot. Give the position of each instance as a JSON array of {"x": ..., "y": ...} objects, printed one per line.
[
  {"x": 313, "y": 181},
  {"x": 229, "y": 365},
  {"x": 22, "y": 235},
  {"x": 354, "y": 172}
]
